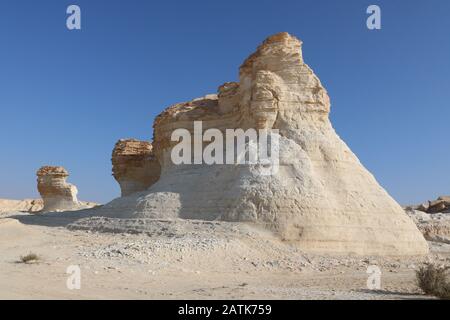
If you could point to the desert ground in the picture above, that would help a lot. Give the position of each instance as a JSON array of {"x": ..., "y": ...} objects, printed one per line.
[{"x": 185, "y": 260}]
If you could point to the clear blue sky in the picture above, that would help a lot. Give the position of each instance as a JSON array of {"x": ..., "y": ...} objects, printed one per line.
[{"x": 67, "y": 96}]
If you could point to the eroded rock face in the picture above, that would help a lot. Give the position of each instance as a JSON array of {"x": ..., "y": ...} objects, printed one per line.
[
  {"x": 321, "y": 198},
  {"x": 134, "y": 166},
  {"x": 58, "y": 195}
]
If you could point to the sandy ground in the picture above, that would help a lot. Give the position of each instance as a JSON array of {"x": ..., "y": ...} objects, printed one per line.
[{"x": 191, "y": 260}]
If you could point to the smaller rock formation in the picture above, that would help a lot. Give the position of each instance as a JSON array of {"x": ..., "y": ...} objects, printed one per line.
[
  {"x": 433, "y": 219},
  {"x": 441, "y": 204},
  {"x": 134, "y": 166},
  {"x": 58, "y": 195}
]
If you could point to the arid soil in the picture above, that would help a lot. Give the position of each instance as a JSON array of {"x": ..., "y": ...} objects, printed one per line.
[{"x": 185, "y": 260}]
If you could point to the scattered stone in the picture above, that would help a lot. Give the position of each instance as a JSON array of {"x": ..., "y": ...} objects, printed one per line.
[
  {"x": 423, "y": 207},
  {"x": 437, "y": 206},
  {"x": 441, "y": 204}
]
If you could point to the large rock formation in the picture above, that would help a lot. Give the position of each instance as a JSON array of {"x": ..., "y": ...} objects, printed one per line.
[
  {"x": 134, "y": 166},
  {"x": 321, "y": 198},
  {"x": 58, "y": 195}
]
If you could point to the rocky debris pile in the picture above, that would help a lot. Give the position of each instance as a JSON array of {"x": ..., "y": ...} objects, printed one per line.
[
  {"x": 134, "y": 166},
  {"x": 321, "y": 198},
  {"x": 26, "y": 205},
  {"x": 187, "y": 244},
  {"x": 218, "y": 246},
  {"x": 441, "y": 204},
  {"x": 433, "y": 219},
  {"x": 56, "y": 193},
  {"x": 434, "y": 227}
]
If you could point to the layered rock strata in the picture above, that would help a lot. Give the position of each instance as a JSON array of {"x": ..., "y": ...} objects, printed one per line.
[
  {"x": 434, "y": 227},
  {"x": 58, "y": 195},
  {"x": 134, "y": 166}
]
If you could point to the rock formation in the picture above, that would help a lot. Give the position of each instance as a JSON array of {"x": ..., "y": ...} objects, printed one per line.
[
  {"x": 321, "y": 198},
  {"x": 441, "y": 204},
  {"x": 134, "y": 166},
  {"x": 58, "y": 195}
]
